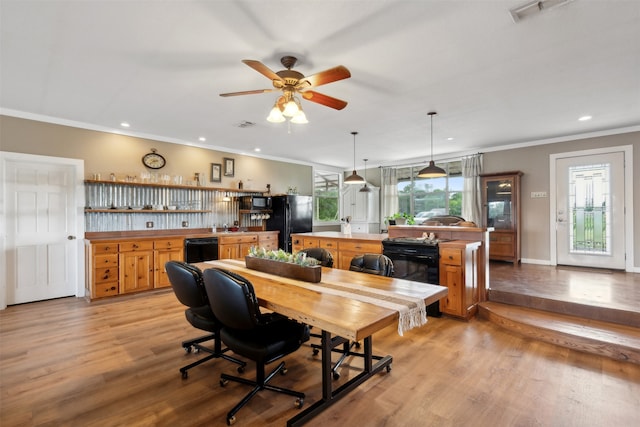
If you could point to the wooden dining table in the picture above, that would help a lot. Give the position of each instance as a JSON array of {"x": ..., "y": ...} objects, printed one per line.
[{"x": 342, "y": 316}]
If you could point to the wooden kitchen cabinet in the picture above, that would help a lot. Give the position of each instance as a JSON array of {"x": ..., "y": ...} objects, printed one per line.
[
  {"x": 458, "y": 271},
  {"x": 163, "y": 251},
  {"x": 501, "y": 210},
  {"x": 235, "y": 246},
  {"x": 125, "y": 266},
  {"x": 268, "y": 240},
  {"x": 135, "y": 261},
  {"x": 342, "y": 247},
  {"x": 349, "y": 249},
  {"x": 102, "y": 269}
]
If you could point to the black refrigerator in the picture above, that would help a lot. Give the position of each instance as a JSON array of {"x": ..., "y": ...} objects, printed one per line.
[{"x": 291, "y": 214}]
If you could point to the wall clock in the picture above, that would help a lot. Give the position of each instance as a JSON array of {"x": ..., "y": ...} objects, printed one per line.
[{"x": 153, "y": 160}]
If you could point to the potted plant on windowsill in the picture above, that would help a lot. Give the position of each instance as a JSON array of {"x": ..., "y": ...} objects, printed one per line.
[
  {"x": 400, "y": 218},
  {"x": 294, "y": 266}
]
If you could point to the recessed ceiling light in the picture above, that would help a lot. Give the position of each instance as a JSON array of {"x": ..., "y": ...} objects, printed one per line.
[
  {"x": 125, "y": 124},
  {"x": 202, "y": 139},
  {"x": 257, "y": 150},
  {"x": 585, "y": 118},
  {"x": 450, "y": 139}
]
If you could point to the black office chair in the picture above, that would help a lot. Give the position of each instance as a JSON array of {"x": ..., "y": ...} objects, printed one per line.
[
  {"x": 373, "y": 264},
  {"x": 187, "y": 283},
  {"x": 378, "y": 264},
  {"x": 321, "y": 254},
  {"x": 263, "y": 338}
]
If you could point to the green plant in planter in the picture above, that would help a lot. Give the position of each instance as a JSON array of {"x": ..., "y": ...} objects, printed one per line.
[
  {"x": 401, "y": 217},
  {"x": 299, "y": 258}
]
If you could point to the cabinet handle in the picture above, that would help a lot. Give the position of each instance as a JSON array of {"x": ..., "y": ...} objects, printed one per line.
[
  {"x": 450, "y": 257},
  {"x": 135, "y": 246}
]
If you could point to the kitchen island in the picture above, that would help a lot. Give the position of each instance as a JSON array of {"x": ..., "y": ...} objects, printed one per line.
[{"x": 463, "y": 258}]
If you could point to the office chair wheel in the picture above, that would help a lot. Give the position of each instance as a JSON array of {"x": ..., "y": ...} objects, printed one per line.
[
  {"x": 187, "y": 349},
  {"x": 185, "y": 374},
  {"x": 284, "y": 371},
  {"x": 336, "y": 375},
  {"x": 357, "y": 344},
  {"x": 240, "y": 369},
  {"x": 388, "y": 368},
  {"x": 223, "y": 383},
  {"x": 231, "y": 420},
  {"x": 299, "y": 402},
  {"x": 315, "y": 351}
]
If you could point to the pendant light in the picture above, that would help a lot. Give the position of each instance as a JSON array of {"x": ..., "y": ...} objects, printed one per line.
[
  {"x": 354, "y": 178},
  {"x": 365, "y": 188},
  {"x": 432, "y": 171}
]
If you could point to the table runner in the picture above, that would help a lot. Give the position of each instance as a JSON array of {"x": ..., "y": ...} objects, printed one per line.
[{"x": 412, "y": 310}]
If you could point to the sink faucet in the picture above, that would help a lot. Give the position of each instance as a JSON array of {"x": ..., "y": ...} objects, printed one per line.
[{"x": 226, "y": 227}]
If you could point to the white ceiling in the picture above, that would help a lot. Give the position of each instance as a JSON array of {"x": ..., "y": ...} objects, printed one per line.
[{"x": 160, "y": 66}]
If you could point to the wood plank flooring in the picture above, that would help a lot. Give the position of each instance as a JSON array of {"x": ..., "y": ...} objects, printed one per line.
[{"x": 67, "y": 362}]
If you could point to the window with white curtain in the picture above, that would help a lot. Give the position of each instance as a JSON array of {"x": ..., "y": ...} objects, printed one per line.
[{"x": 427, "y": 197}]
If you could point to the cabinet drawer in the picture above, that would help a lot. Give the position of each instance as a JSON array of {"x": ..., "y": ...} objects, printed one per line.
[
  {"x": 100, "y": 261},
  {"x": 106, "y": 289},
  {"x": 451, "y": 256},
  {"x": 267, "y": 237},
  {"x": 105, "y": 248},
  {"x": 168, "y": 244},
  {"x": 361, "y": 247},
  {"x": 107, "y": 274},
  {"x": 226, "y": 240},
  {"x": 310, "y": 243},
  {"x": 329, "y": 244},
  {"x": 501, "y": 238},
  {"x": 144, "y": 245}
]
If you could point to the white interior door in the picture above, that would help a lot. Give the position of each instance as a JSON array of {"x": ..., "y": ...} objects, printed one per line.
[
  {"x": 41, "y": 227},
  {"x": 590, "y": 203}
]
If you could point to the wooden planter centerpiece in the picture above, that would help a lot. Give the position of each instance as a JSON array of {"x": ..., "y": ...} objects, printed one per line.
[{"x": 311, "y": 274}]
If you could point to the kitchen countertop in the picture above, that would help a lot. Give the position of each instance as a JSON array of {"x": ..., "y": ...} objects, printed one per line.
[
  {"x": 160, "y": 234},
  {"x": 340, "y": 235}
]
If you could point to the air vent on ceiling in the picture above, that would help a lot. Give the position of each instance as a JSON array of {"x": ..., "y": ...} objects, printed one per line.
[
  {"x": 533, "y": 8},
  {"x": 245, "y": 124}
]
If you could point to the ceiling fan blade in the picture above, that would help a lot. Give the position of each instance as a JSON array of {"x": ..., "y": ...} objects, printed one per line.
[
  {"x": 262, "y": 69},
  {"x": 327, "y": 76},
  {"x": 325, "y": 100},
  {"x": 250, "y": 92}
]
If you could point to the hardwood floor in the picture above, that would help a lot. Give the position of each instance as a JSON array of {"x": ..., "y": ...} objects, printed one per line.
[
  {"x": 603, "y": 288},
  {"x": 67, "y": 362}
]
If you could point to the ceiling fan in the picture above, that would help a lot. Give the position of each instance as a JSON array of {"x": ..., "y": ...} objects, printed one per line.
[{"x": 291, "y": 82}]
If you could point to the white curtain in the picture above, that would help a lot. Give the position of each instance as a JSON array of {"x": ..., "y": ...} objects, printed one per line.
[
  {"x": 471, "y": 191},
  {"x": 389, "y": 202}
]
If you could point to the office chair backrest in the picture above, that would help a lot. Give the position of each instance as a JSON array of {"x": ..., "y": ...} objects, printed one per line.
[
  {"x": 232, "y": 299},
  {"x": 321, "y": 254},
  {"x": 373, "y": 264},
  {"x": 187, "y": 284}
]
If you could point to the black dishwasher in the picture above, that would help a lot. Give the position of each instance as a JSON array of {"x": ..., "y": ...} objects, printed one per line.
[{"x": 200, "y": 249}]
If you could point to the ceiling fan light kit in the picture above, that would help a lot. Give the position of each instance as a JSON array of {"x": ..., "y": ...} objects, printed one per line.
[
  {"x": 354, "y": 178},
  {"x": 431, "y": 171},
  {"x": 291, "y": 82}
]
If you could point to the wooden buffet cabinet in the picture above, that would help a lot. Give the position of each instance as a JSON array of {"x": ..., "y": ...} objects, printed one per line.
[
  {"x": 501, "y": 211},
  {"x": 117, "y": 263}
]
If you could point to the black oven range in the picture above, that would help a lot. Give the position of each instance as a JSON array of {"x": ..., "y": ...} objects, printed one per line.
[{"x": 415, "y": 259}]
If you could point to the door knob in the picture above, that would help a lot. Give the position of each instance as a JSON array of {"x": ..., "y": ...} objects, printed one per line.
[{"x": 71, "y": 237}]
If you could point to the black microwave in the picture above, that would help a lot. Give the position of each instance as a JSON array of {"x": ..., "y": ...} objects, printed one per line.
[{"x": 255, "y": 202}]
